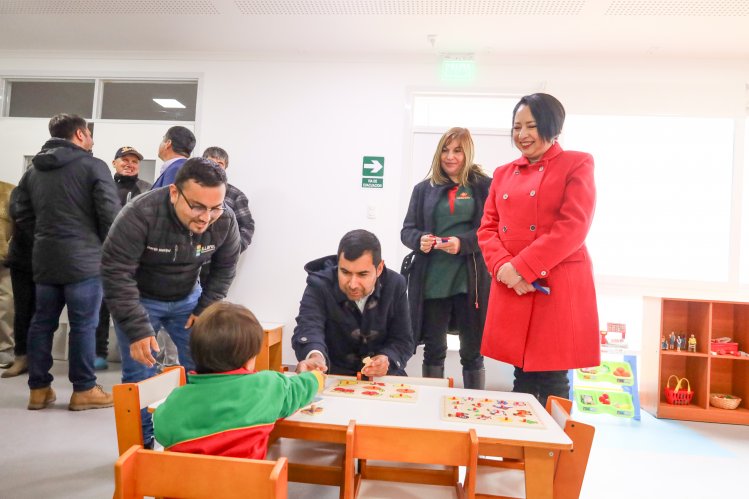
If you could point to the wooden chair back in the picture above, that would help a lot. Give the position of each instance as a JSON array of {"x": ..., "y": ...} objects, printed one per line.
[
  {"x": 408, "y": 445},
  {"x": 319, "y": 461},
  {"x": 139, "y": 473},
  {"x": 444, "y": 475},
  {"x": 570, "y": 466},
  {"x": 130, "y": 398}
]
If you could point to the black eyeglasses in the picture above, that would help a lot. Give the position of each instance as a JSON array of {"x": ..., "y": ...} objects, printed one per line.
[{"x": 199, "y": 209}]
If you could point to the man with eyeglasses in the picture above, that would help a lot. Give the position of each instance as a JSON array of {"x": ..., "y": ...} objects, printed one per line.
[{"x": 151, "y": 262}]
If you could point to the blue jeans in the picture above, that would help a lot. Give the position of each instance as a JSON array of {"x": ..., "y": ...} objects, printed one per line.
[
  {"x": 172, "y": 316},
  {"x": 83, "y": 300}
]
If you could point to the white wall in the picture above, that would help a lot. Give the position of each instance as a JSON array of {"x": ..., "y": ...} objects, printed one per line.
[{"x": 296, "y": 133}]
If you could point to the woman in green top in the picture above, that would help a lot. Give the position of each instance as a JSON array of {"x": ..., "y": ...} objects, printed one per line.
[{"x": 448, "y": 284}]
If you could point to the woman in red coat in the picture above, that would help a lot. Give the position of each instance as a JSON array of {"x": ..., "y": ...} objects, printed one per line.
[{"x": 542, "y": 315}]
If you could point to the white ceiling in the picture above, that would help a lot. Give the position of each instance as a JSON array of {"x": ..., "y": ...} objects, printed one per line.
[{"x": 293, "y": 28}]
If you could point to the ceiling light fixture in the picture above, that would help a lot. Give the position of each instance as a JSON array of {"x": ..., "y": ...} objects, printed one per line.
[{"x": 169, "y": 103}]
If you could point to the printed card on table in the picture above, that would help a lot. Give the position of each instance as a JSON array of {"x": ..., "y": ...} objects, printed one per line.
[
  {"x": 489, "y": 411},
  {"x": 374, "y": 390}
]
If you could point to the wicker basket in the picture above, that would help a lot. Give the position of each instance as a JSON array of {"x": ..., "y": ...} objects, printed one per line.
[
  {"x": 677, "y": 395},
  {"x": 724, "y": 401}
]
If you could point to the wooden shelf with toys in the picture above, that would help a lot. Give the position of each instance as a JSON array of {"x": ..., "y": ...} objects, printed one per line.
[{"x": 693, "y": 367}]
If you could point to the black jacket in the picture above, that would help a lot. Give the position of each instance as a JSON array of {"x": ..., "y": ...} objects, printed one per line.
[
  {"x": 130, "y": 186},
  {"x": 419, "y": 221},
  {"x": 150, "y": 254},
  {"x": 22, "y": 242},
  {"x": 68, "y": 201},
  {"x": 331, "y": 323}
]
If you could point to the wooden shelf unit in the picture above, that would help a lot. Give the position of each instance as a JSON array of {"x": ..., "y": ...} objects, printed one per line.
[{"x": 706, "y": 373}]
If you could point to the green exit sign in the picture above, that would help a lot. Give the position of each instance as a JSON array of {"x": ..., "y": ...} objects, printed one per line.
[
  {"x": 372, "y": 172},
  {"x": 460, "y": 69}
]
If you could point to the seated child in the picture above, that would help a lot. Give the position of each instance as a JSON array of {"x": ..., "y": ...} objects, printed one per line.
[{"x": 226, "y": 408}]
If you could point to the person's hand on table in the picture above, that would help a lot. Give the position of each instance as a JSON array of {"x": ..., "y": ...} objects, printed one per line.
[
  {"x": 377, "y": 367},
  {"x": 426, "y": 243},
  {"x": 141, "y": 351},
  {"x": 314, "y": 362},
  {"x": 452, "y": 246}
]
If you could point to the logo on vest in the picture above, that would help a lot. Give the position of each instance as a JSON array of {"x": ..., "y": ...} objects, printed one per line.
[{"x": 200, "y": 249}]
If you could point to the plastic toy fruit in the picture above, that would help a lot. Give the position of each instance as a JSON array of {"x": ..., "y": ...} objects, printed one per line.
[
  {"x": 604, "y": 399},
  {"x": 621, "y": 372}
]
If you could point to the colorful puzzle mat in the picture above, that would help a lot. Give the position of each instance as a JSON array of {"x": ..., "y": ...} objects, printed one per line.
[
  {"x": 398, "y": 392},
  {"x": 489, "y": 411}
]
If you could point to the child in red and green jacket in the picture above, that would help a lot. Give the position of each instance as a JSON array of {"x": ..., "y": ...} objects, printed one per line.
[{"x": 226, "y": 408}]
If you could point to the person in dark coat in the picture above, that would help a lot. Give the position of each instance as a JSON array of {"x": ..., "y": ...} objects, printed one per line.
[
  {"x": 151, "y": 262},
  {"x": 24, "y": 292},
  {"x": 68, "y": 201},
  {"x": 448, "y": 284},
  {"x": 174, "y": 149},
  {"x": 126, "y": 165},
  {"x": 353, "y": 309}
]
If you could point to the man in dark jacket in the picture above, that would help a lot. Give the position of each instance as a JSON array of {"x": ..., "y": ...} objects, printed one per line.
[
  {"x": 353, "y": 309},
  {"x": 68, "y": 201},
  {"x": 151, "y": 263},
  {"x": 126, "y": 165}
]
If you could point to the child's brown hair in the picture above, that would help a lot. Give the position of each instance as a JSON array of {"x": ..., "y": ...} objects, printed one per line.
[{"x": 224, "y": 338}]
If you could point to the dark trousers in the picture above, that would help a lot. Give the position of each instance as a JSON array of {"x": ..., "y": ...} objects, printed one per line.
[
  {"x": 24, "y": 303},
  {"x": 102, "y": 332},
  {"x": 439, "y": 313},
  {"x": 541, "y": 384},
  {"x": 83, "y": 300}
]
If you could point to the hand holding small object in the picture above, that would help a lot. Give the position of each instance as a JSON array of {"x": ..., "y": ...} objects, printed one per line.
[
  {"x": 449, "y": 245},
  {"x": 141, "y": 351},
  {"x": 427, "y": 242},
  {"x": 522, "y": 287},
  {"x": 378, "y": 366}
]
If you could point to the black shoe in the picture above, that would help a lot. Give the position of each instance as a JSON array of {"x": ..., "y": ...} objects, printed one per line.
[
  {"x": 432, "y": 371},
  {"x": 475, "y": 379}
]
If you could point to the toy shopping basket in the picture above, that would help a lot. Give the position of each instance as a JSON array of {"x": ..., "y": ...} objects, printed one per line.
[{"x": 677, "y": 395}]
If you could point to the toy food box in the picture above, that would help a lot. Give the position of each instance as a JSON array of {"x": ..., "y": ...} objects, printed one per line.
[
  {"x": 597, "y": 401},
  {"x": 609, "y": 371}
]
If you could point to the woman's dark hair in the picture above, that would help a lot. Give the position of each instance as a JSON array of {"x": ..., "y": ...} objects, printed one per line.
[
  {"x": 224, "y": 337},
  {"x": 355, "y": 243},
  {"x": 548, "y": 113},
  {"x": 203, "y": 171}
]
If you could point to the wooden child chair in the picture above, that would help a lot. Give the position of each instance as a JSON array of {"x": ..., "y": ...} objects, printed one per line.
[
  {"x": 130, "y": 398},
  {"x": 310, "y": 461},
  {"x": 506, "y": 479},
  {"x": 139, "y": 473},
  {"x": 409, "y": 472},
  {"x": 409, "y": 445}
]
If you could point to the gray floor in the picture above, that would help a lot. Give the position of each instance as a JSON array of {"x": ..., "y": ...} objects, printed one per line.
[{"x": 55, "y": 453}]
